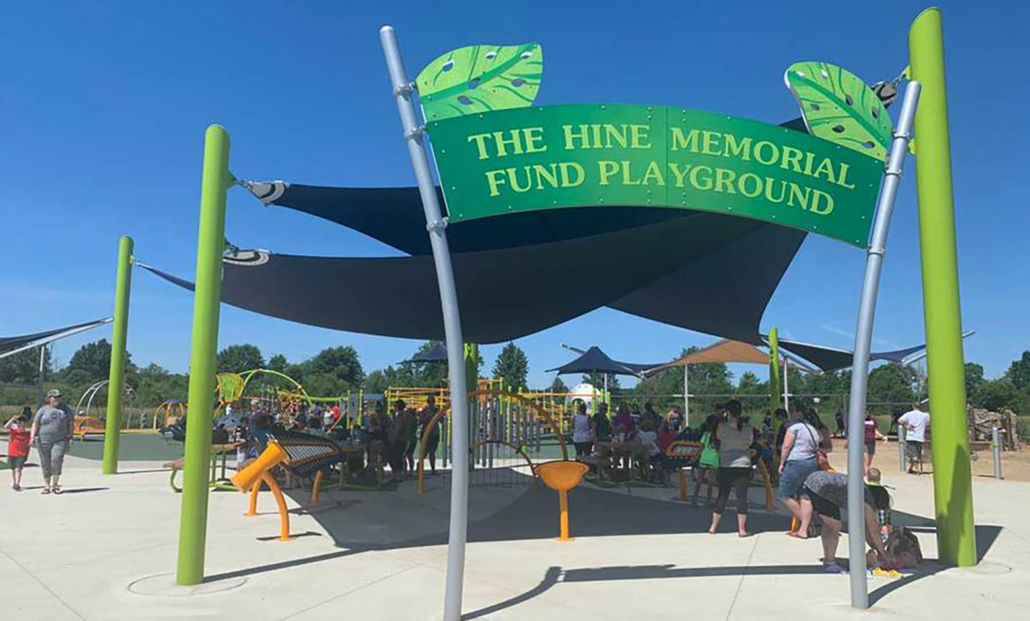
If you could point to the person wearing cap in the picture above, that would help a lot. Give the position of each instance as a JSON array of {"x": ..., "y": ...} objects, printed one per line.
[{"x": 52, "y": 432}]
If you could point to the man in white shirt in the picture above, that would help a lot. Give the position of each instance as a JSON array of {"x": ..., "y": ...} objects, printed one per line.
[{"x": 917, "y": 424}]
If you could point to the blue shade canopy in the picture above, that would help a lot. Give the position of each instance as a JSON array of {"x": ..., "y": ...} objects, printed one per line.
[
  {"x": 511, "y": 292},
  {"x": 437, "y": 354},
  {"x": 833, "y": 359},
  {"x": 594, "y": 360},
  {"x": 10, "y": 344}
]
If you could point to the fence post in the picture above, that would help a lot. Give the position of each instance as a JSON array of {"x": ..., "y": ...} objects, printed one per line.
[{"x": 996, "y": 450}]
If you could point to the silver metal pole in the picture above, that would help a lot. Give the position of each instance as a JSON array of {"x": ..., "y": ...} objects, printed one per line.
[
  {"x": 901, "y": 448},
  {"x": 996, "y": 449},
  {"x": 786, "y": 391},
  {"x": 39, "y": 378},
  {"x": 863, "y": 339},
  {"x": 686, "y": 395},
  {"x": 436, "y": 224}
]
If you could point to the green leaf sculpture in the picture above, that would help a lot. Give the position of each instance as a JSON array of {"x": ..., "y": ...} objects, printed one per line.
[
  {"x": 839, "y": 107},
  {"x": 480, "y": 78}
]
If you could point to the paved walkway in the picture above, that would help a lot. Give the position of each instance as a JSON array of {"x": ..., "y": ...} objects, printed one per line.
[{"x": 381, "y": 555}]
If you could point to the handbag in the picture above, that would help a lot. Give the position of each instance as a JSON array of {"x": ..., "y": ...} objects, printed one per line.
[{"x": 821, "y": 457}]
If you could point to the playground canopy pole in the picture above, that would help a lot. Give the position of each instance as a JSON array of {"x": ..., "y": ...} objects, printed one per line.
[
  {"x": 774, "y": 369},
  {"x": 952, "y": 480},
  {"x": 436, "y": 224},
  {"x": 116, "y": 377},
  {"x": 41, "y": 376},
  {"x": 206, "y": 301},
  {"x": 863, "y": 340},
  {"x": 686, "y": 395}
]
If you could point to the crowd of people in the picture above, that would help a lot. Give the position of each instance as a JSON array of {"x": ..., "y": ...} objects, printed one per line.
[
  {"x": 388, "y": 440},
  {"x": 794, "y": 447}
]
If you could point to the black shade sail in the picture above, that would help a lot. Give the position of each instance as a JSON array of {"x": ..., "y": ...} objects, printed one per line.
[
  {"x": 512, "y": 292},
  {"x": 11, "y": 343},
  {"x": 395, "y": 217},
  {"x": 436, "y": 354},
  {"x": 833, "y": 359},
  {"x": 594, "y": 360}
]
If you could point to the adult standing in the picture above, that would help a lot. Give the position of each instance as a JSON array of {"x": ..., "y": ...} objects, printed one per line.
[
  {"x": 582, "y": 431},
  {"x": 872, "y": 434},
  {"x": 602, "y": 424},
  {"x": 799, "y": 458},
  {"x": 917, "y": 423},
  {"x": 734, "y": 437},
  {"x": 433, "y": 441},
  {"x": 52, "y": 432}
]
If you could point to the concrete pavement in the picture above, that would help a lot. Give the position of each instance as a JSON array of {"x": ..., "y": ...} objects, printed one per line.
[{"x": 105, "y": 551}]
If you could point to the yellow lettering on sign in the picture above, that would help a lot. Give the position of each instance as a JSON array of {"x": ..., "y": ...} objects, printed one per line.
[
  {"x": 608, "y": 169},
  {"x": 653, "y": 174},
  {"x": 741, "y": 150},
  {"x": 710, "y": 143},
  {"x": 684, "y": 143},
  {"x": 822, "y": 203},
  {"x": 639, "y": 136},
  {"x": 679, "y": 174}
]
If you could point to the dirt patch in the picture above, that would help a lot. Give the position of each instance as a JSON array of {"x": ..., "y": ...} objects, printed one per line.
[{"x": 1015, "y": 465}]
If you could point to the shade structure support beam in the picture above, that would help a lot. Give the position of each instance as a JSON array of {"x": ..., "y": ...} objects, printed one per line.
[
  {"x": 686, "y": 395},
  {"x": 116, "y": 375},
  {"x": 863, "y": 341},
  {"x": 207, "y": 296},
  {"x": 952, "y": 478},
  {"x": 436, "y": 225}
]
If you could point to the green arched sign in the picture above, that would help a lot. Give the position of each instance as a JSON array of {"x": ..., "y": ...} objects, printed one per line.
[{"x": 549, "y": 157}]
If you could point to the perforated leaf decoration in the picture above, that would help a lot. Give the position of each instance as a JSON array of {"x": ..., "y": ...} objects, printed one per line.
[
  {"x": 480, "y": 78},
  {"x": 839, "y": 107}
]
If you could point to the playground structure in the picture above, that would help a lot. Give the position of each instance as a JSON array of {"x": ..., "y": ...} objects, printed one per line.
[
  {"x": 90, "y": 423},
  {"x": 302, "y": 455},
  {"x": 507, "y": 428},
  {"x": 853, "y": 156}
]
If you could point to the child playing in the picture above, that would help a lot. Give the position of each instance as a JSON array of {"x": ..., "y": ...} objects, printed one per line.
[
  {"x": 882, "y": 503},
  {"x": 708, "y": 463},
  {"x": 18, "y": 445}
]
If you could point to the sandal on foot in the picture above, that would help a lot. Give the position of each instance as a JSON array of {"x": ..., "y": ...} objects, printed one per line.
[
  {"x": 46, "y": 490},
  {"x": 57, "y": 489}
]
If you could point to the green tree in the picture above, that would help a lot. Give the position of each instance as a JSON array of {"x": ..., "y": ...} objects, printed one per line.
[
  {"x": 997, "y": 395},
  {"x": 974, "y": 379},
  {"x": 892, "y": 385},
  {"x": 749, "y": 384},
  {"x": 341, "y": 364},
  {"x": 23, "y": 368},
  {"x": 92, "y": 363},
  {"x": 240, "y": 358},
  {"x": 596, "y": 380},
  {"x": 278, "y": 363},
  {"x": 512, "y": 366},
  {"x": 558, "y": 386},
  {"x": 376, "y": 381},
  {"x": 1019, "y": 372}
]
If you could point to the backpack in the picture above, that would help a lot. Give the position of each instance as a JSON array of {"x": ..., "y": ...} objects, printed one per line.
[{"x": 903, "y": 545}]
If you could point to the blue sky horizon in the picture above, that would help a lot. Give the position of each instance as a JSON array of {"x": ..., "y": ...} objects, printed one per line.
[{"x": 105, "y": 104}]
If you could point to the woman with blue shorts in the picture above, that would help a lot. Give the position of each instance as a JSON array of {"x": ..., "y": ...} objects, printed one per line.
[{"x": 800, "y": 459}]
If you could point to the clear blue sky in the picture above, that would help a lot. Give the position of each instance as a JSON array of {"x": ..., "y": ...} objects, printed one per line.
[{"x": 103, "y": 107}]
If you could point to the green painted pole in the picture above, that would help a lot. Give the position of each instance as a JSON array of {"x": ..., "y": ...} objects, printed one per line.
[
  {"x": 952, "y": 480},
  {"x": 774, "y": 371},
  {"x": 116, "y": 377},
  {"x": 206, "y": 301}
]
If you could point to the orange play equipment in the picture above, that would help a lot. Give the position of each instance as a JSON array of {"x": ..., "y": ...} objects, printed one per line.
[
  {"x": 561, "y": 475},
  {"x": 251, "y": 478}
]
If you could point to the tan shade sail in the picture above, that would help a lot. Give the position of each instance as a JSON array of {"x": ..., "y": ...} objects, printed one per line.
[{"x": 722, "y": 351}]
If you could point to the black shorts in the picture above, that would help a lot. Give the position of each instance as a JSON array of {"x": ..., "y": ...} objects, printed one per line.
[
  {"x": 823, "y": 506},
  {"x": 16, "y": 461},
  {"x": 870, "y": 447},
  {"x": 914, "y": 449}
]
